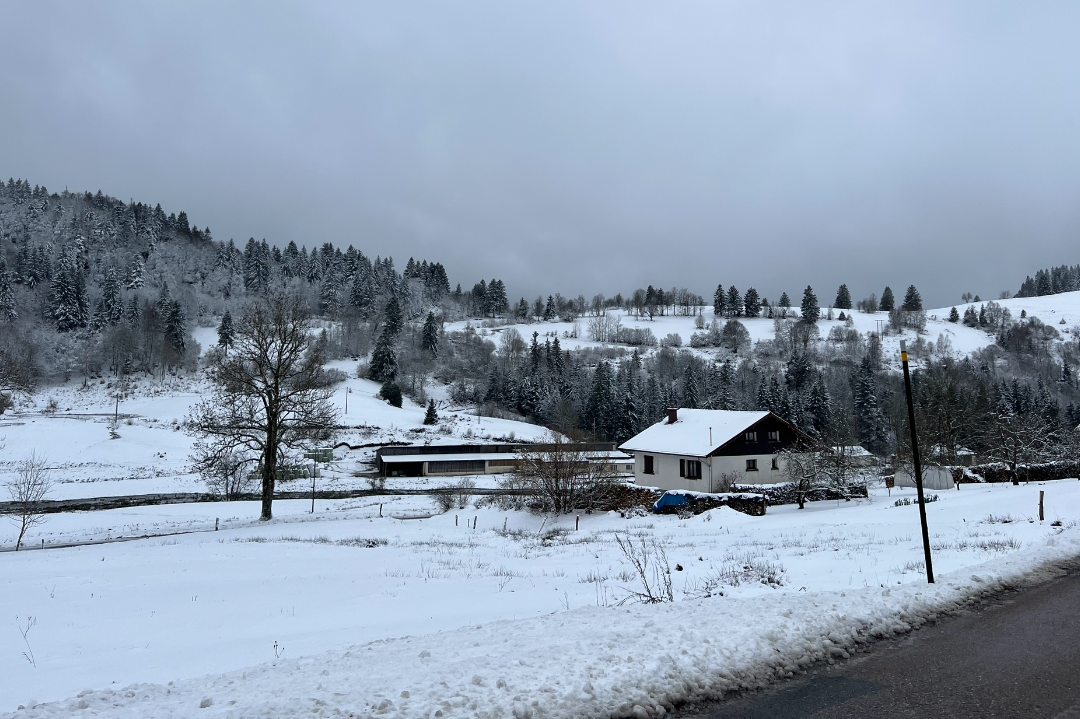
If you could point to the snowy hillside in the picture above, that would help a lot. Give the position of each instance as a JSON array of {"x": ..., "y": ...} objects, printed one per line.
[
  {"x": 150, "y": 452},
  {"x": 1061, "y": 311}
]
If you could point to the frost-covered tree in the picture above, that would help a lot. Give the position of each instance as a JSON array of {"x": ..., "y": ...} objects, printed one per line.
[
  {"x": 110, "y": 306},
  {"x": 734, "y": 302},
  {"x": 811, "y": 311},
  {"x": 69, "y": 306},
  {"x": 954, "y": 315},
  {"x": 7, "y": 293},
  {"x": 785, "y": 301}
]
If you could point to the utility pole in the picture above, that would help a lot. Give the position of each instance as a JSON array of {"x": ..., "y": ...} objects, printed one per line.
[{"x": 918, "y": 463}]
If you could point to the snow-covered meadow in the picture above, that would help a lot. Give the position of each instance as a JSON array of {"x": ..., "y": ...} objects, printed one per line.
[{"x": 519, "y": 614}]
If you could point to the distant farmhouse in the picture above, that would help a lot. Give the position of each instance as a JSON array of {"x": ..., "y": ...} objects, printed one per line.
[{"x": 706, "y": 450}]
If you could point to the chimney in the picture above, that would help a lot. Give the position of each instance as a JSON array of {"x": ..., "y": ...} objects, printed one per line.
[{"x": 672, "y": 415}]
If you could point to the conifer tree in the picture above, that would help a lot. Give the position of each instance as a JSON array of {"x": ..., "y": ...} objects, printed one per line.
[
  {"x": 430, "y": 336},
  {"x": 734, "y": 302},
  {"x": 752, "y": 303},
  {"x": 811, "y": 311},
  {"x": 549, "y": 309},
  {"x": 110, "y": 308},
  {"x": 954, "y": 315},
  {"x": 870, "y": 420},
  {"x": 724, "y": 391},
  {"x": 912, "y": 300},
  {"x": 133, "y": 313},
  {"x": 68, "y": 303},
  {"x": 384, "y": 357},
  {"x": 176, "y": 328},
  {"x": 843, "y": 298},
  {"x": 719, "y": 300},
  {"x": 225, "y": 331},
  {"x": 7, "y": 294},
  {"x": 391, "y": 393},
  {"x": 785, "y": 301},
  {"x": 690, "y": 387},
  {"x": 431, "y": 416},
  {"x": 134, "y": 276},
  {"x": 888, "y": 302}
]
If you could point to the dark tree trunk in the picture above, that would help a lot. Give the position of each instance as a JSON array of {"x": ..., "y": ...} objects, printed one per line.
[{"x": 269, "y": 474}]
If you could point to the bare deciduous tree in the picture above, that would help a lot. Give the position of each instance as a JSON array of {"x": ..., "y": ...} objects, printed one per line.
[
  {"x": 28, "y": 489},
  {"x": 272, "y": 394},
  {"x": 225, "y": 473},
  {"x": 562, "y": 476},
  {"x": 1019, "y": 440}
]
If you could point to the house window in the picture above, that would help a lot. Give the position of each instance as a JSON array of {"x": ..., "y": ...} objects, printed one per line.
[
  {"x": 649, "y": 464},
  {"x": 774, "y": 435},
  {"x": 751, "y": 465},
  {"x": 693, "y": 469},
  {"x": 775, "y": 463},
  {"x": 682, "y": 467},
  {"x": 751, "y": 436}
]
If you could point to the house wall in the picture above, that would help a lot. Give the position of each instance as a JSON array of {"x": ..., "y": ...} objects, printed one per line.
[{"x": 666, "y": 471}]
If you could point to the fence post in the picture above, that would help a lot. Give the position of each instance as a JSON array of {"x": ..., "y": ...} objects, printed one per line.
[{"x": 1042, "y": 494}]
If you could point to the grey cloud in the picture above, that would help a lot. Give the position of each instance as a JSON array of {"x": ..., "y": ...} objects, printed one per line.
[{"x": 577, "y": 147}]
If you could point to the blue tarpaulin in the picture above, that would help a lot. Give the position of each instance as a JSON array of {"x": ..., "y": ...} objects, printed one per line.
[{"x": 670, "y": 500}]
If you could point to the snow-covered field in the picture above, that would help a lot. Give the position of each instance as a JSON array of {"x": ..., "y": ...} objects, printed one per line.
[
  {"x": 405, "y": 617},
  {"x": 150, "y": 455}
]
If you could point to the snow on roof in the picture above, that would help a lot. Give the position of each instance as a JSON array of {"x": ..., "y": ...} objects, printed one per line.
[
  {"x": 853, "y": 450},
  {"x": 690, "y": 433},
  {"x": 489, "y": 456}
]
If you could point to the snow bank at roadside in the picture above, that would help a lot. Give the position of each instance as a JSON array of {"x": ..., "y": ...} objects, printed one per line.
[{"x": 592, "y": 662}]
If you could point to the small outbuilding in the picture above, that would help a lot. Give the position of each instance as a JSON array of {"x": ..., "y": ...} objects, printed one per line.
[
  {"x": 932, "y": 478},
  {"x": 708, "y": 450}
]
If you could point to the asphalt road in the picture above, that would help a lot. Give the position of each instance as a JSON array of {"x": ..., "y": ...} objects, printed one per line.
[{"x": 1015, "y": 656}]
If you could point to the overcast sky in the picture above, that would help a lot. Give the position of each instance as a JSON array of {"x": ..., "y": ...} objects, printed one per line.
[{"x": 577, "y": 147}]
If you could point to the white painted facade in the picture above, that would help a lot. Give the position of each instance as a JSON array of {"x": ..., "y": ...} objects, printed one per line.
[{"x": 716, "y": 471}]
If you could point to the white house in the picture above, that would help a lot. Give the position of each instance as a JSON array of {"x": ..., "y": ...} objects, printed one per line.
[{"x": 706, "y": 450}]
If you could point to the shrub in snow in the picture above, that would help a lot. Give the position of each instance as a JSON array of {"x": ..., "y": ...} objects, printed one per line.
[{"x": 391, "y": 393}]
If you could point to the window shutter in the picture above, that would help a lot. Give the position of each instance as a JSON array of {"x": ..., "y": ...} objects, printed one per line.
[{"x": 682, "y": 467}]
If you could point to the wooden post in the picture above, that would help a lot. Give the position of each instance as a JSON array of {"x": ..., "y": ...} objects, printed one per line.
[
  {"x": 1042, "y": 515},
  {"x": 455, "y": 520},
  {"x": 216, "y": 521},
  {"x": 380, "y": 509},
  {"x": 577, "y": 522}
]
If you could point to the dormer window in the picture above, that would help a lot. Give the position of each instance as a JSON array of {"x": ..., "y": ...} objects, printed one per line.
[
  {"x": 751, "y": 436},
  {"x": 774, "y": 435}
]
